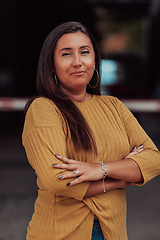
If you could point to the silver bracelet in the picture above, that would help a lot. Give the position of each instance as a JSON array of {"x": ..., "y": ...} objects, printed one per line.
[{"x": 105, "y": 174}]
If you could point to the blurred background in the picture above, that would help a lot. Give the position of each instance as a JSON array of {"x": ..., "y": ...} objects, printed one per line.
[{"x": 128, "y": 36}]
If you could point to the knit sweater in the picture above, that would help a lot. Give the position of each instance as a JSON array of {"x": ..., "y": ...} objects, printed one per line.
[{"x": 62, "y": 212}]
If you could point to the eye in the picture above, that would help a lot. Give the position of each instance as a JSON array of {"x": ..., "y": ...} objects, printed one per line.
[
  {"x": 66, "y": 54},
  {"x": 85, "y": 52}
]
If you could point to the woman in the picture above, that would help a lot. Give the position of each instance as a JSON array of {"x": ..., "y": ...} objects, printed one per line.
[{"x": 70, "y": 120}]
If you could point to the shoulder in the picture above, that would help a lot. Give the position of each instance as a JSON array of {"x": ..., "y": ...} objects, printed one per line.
[
  {"x": 40, "y": 103},
  {"x": 43, "y": 105},
  {"x": 117, "y": 106},
  {"x": 108, "y": 100},
  {"x": 114, "y": 105},
  {"x": 43, "y": 112}
]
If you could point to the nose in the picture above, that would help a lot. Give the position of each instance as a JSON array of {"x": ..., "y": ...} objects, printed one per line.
[{"x": 77, "y": 61}]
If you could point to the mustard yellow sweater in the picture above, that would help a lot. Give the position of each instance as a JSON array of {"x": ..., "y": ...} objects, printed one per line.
[{"x": 62, "y": 212}]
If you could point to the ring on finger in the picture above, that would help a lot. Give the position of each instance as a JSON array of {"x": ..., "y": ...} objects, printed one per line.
[{"x": 77, "y": 172}]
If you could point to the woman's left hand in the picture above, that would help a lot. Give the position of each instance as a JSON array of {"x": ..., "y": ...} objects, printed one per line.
[{"x": 84, "y": 171}]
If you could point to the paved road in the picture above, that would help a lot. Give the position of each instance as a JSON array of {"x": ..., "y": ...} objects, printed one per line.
[{"x": 18, "y": 186}]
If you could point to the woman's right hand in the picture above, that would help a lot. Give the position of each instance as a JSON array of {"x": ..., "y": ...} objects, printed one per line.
[
  {"x": 135, "y": 151},
  {"x": 124, "y": 184}
]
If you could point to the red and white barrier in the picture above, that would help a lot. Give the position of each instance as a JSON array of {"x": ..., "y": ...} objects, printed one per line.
[
  {"x": 17, "y": 104},
  {"x": 12, "y": 104},
  {"x": 135, "y": 105}
]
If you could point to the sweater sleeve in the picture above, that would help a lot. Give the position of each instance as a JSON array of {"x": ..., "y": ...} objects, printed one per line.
[
  {"x": 43, "y": 136},
  {"x": 148, "y": 160}
]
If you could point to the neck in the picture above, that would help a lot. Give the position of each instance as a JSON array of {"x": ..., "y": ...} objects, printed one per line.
[{"x": 82, "y": 96}]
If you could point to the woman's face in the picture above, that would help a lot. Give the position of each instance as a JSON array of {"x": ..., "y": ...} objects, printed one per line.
[{"x": 74, "y": 61}]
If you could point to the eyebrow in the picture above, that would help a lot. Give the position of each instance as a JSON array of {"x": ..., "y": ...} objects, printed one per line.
[{"x": 68, "y": 48}]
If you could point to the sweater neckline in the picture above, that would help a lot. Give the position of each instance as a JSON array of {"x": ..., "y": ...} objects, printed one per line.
[{"x": 88, "y": 102}]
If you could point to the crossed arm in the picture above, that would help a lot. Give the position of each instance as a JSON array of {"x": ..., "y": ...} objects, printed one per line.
[{"x": 120, "y": 174}]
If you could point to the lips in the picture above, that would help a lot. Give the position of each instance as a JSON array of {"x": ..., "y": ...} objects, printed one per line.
[{"x": 78, "y": 73}]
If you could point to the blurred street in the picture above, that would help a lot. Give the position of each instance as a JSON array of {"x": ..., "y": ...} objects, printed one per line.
[
  {"x": 128, "y": 37},
  {"x": 18, "y": 185}
]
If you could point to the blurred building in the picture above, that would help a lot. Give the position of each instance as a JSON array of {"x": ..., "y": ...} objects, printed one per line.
[
  {"x": 128, "y": 35},
  {"x": 127, "y": 32}
]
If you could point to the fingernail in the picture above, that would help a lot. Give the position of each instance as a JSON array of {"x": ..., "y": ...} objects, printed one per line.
[
  {"x": 60, "y": 176},
  {"x": 54, "y": 164},
  {"x": 134, "y": 147},
  {"x": 141, "y": 145},
  {"x": 57, "y": 155},
  {"x": 68, "y": 184}
]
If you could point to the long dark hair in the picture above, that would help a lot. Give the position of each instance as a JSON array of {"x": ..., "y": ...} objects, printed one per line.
[{"x": 46, "y": 86}]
